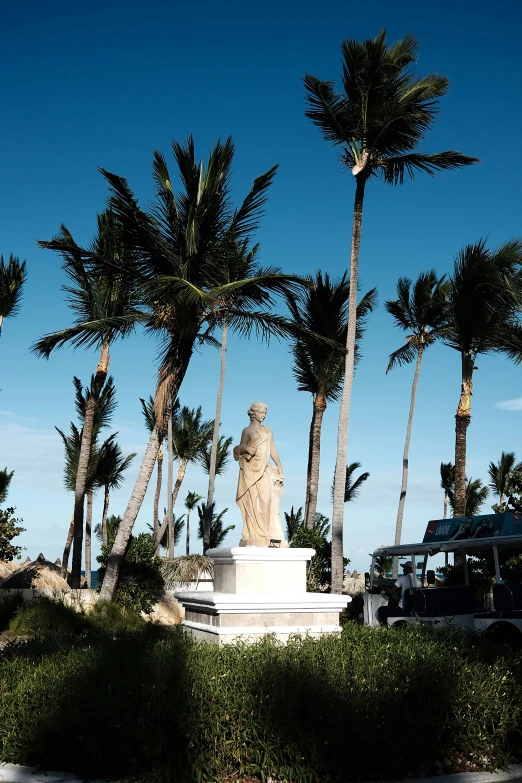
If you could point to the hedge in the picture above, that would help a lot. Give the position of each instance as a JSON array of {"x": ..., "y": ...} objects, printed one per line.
[{"x": 155, "y": 706}]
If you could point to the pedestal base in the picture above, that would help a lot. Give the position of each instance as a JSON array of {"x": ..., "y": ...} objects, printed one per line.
[{"x": 260, "y": 591}]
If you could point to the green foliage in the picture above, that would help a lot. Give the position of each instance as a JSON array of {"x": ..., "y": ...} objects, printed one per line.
[
  {"x": 294, "y": 520},
  {"x": 156, "y": 706},
  {"x": 12, "y": 278},
  {"x": 10, "y": 527},
  {"x": 45, "y": 619},
  {"x": 319, "y": 569},
  {"x": 5, "y": 481},
  {"x": 222, "y": 455},
  {"x": 217, "y": 531},
  {"x": 141, "y": 583},
  {"x": 511, "y": 571},
  {"x": 9, "y": 605},
  {"x": 479, "y": 574},
  {"x": 383, "y": 565},
  {"x": 352, "y": 485},
  {"x": 113, "y": 523},
  {"x": 112, "y": 618}
]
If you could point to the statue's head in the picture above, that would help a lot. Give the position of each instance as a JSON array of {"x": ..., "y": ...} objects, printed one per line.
[{"x": 257, "y": 411}]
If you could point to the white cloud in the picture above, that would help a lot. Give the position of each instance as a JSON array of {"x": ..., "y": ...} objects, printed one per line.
[{"x": 510, "y": 405}]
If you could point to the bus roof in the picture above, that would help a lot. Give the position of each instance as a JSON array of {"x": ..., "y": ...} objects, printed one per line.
[{"x": 466, "y": 545}]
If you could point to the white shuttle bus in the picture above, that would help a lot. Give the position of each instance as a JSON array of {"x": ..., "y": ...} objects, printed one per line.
[{"x": 429, "y": 602}]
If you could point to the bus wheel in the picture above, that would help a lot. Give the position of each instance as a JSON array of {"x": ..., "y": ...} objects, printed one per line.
[
  {"x": 399, "y": 624},
  {"x": 505, "y": 634}
]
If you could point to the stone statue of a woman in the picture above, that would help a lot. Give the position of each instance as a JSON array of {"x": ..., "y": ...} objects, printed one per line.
[{"x": 260, "y": 482}]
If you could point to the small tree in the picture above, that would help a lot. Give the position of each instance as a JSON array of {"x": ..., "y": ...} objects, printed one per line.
[
  {"x": 294, "y": 521},
  {"x": 5, "y": 481},
  {"x": 10, "y": 527},
  {"x": 217, "y": 531},
  {"x": 141, "y": 582}
]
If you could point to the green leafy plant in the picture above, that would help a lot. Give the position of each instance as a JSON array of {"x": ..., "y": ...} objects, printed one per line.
[
  {"x": 141, "y": 582},
  {"x": 318, "y": 570},
  {"x": 479, "y": 574},
  {"x": 10, "y": 527}
]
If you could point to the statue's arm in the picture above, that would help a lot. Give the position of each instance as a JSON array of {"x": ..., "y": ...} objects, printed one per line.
[
  {"x": 243, "y": 447},
  {"x": 275, "y": 457}
]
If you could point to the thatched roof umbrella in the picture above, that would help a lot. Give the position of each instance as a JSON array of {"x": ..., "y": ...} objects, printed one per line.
[
  {"x": 38, "y": 574},
  {"x": 7, "y": 567}
]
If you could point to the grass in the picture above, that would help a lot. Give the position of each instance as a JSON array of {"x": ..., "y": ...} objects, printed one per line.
[{"x": 121, "y": 698}]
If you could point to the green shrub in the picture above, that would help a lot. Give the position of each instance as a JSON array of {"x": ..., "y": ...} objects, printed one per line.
[
  {"x": 479, "y": 574},
  {"x": 374, "y": 703},
  {"x": 319, "y": 569},
  {"x": 141, "y": 582},
  {"x": 46, "y": 619},
  {"x": 108, "y": 617}
]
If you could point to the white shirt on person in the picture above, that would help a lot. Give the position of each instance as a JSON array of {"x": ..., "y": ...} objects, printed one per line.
[{"x": 405, "y": 581}]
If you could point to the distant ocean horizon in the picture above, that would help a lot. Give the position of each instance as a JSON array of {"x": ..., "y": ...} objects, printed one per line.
[{"x": 94, "y": 579}]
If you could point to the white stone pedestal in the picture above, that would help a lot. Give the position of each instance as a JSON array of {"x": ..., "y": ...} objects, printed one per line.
[{"x": 258, "y": 591}]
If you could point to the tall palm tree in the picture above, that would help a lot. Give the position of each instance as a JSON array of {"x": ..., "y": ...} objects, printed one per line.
[
  {"x": 110, "y": 469},
  {"x": 5, "y": 481},
  {"x": 294, "y": 520},
  {"x": 217, "y": 531},
  {"x": 447, "y": 482},
  {"x": 503, "y": 474},
  {"x": 483, "y": 317},
  {"x": 321, "y": 309},
  {"x": 191, "y": 502},
  {"x": 12, "y": 278},
  {"x": 476, "y": 496},
  {"x": 378, "y": 121},
  {"x": 421, "y": 312},
  {"x": 175, "y": 530},
  {"x": 103, "y": 297},
  {"x": 182, "y": 246},
  {"x": 190, "y": 434},
  {"x": 222, "y": 455},
  {"x": 149, "y": 414}
]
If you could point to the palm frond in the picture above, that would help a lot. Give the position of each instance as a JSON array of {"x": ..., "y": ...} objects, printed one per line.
[
  {"x": 12, "y": 278},
  {"x": 395, "y": 168}
]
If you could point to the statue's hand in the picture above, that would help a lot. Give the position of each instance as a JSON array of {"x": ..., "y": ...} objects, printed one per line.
[{"x": 252, "y": 451}]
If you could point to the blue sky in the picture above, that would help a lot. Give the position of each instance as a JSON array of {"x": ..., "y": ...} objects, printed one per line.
[{"x": 104, "y": 84}]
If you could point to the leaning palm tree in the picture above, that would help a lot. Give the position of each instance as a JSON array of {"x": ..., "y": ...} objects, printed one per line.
[
  {"x": 190, "y": 434},
  {"x": 103, "y": 297},
  {"x": 421, "y": 312},
  {"x": 321, "y": 309},
  {"x": 217, "y": 531},
  {"x": 5, "y": 481},
  {"x": 12, "y": 278},
  {"x": 378, "y": 121},
  {"x": 110, "y": 469},
  {"x": 149, "y": 414},
  {"x": 191, "y": 502},
  {"x": 183, "y": 245},
  {"x": 484, "y": 295},
  {"x": 447, "y": 482},
  {"x": 502, "y": 476}
]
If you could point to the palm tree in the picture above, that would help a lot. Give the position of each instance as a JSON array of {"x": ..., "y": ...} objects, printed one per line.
[
  {"x": 321, "y": 309},
  {"x": 5, "y": 481},
  {"x": 190, "y": 434},
  {"x": 149, "y": 414},
  {"x": 102, "y": 415},
  {"x": 175, "y": 530},
  {"x": 294, "y": 520},
  {"x": 103, "y": 297},
  {"x": 421, "y": 312},
  {"x": 378, "y": 120},
  {"x": 503, "y": 474},
  {"x": 183, "y": 246},
  {"x": 112, "y": 525},
  {"x": 476, "y": 495},
  {"x": 217, "y": 532},
  {"x": 191, "y": 502},
  {"x": 222, "y": 455},
  {"x": 110, "y": 468},
  {"x": 447, "y": 482},
  {"x": 12, "y": 278},
  {"x": 322, "y": 525},
  {"x": 352, "y": 485},
  {"x": 483, "y": 317}
]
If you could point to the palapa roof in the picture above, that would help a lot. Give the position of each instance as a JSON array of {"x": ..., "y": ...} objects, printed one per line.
[
  {"x": 7, "y": 567},
  {"x": 39, "y": 574}
]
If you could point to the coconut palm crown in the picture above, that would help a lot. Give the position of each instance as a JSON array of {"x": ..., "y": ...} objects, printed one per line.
[{"x": 12, "y": 278}]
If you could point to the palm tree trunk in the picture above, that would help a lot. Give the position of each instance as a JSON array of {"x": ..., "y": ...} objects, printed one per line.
[
  {"x": 105, "y": 536},
  {"x": 187, "y": 548},
  {"x": 445, "y": 505},
  {"x": 215, "y": 436},
  {"x": 171, "y": 389},
  {"x": 88, "y": 527},
  {"x": 405, "y": 459},
  {"x": 309, "y": 466},
  {"x": 170, "y": 479},
  {"x": 179, "y": 480},
  {"x": 67, "y": 549},
  {"x": 157, "y": 494},
  {"x": 344, "y": 413},
  {"x": 462, "y": 420},
  {"x": 83, "y": 464},
  {"x": 315, "y": 456}
]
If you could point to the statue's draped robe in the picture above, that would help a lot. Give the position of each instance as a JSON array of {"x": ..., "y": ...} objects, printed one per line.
[{"x": 256, "y": 496}]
